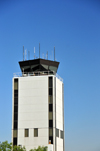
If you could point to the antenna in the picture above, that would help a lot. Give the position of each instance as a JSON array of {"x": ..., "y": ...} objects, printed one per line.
[
  {"x": 54, "y": 53},
  {"x": 23, "y": 53},
  {"x": 28, "y": 55},
  {"x": 39, "y": 50},
  {"x": 34, "y": 52},
  {"x": 47, "y": 55},
  {"x": 43, "y": 55}
]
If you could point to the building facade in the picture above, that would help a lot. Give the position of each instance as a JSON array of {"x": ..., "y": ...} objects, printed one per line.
[{"x": 38, "y": 106}]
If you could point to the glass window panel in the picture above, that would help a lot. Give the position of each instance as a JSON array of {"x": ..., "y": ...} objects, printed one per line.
[
  {"x": 50, "y": 131},
  {"x": 15, "y": 95},
  {"x": 57, "y": 132},
  {"x": 50, "y": 99},
  {"x": 50, "y": 115},
  {"x": 15, "y": 125},
  {"x": 16, "y": 100},
  {"x": 50, "y": 82},
  {"x": 14, "y": 133},
  {"x": 16, "y": 108},
  {"x": 36, "y": 132},
  {"x": 15, "y": 86},
  {"x": 50, "y": 91},
  {"x": 26, "y": 132},
  {"x": 62, "y": 134},
  {"x": 14, "y": 141},
  {"x": 50, "y": 123},
  {"x": 50, "y": 107},
  {"x": 15, "y": 116},
  {"x": 51, "y": 139}
]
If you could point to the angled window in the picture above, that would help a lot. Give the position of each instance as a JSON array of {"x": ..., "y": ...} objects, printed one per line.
[
  {"x": 61, "y": 134},
  {"x": 57, "y": 132}
]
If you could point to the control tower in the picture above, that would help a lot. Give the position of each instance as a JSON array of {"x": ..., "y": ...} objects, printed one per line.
[{"x": 38, "y": 105}]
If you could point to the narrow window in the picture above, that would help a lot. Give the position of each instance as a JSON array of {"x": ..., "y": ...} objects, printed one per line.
[
  {"x": 15, "y": 125},
  {"x": 26, "y": 132},
  {"x": 51, "y": 139},
  {"x": 50, "y": 99},
  {"x": 50, "y": 107},
  {"x": 16, "y": 101},
  {"x": 57, "y": 132},
  {"x": 36, "y": 132},
  {"x": 50, "y": 82},
  {"x": 15, "y": 84},
  {"x": 50, "y": 123},
  {"x": 50, "y": 131},
  {"x": 61, "y": 134},
  {"x": 50, "y": 116},
  {"x": 14, "y": 133},
  {"x": 50, "y": 91},
  {"x": 14, "y": 141},
  {"x": 15, "y": 116},
  {"x": 15, "y": 108}
]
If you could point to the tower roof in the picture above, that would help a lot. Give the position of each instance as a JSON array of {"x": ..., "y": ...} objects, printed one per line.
[{"x": 38, "y": 65}]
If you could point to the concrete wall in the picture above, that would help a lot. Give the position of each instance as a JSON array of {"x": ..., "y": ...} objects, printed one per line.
[{"x": 33, "y": 111}]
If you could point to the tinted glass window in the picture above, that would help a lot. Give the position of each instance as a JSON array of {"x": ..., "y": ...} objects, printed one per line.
[
  {"x": 57, "y": 132},
  {"x": 16, "y": 100},
  {"x": 50, "y": 91},
  {"x": 15, "y": 116},
  {"x": 15, "y": 125},
  {"x": 16, "y": 108},
  {"x": 26, "y": 132},
  {"x": 50, "y": 82},
  {"x": 36, "y": 132},
  {"x": 50, "y": 131},
  {"x": 61, "y": 134},
  {"x": 50, "y": 107},
  {"x": 51, "y": 138},
  {"x": 50, "y": 123},
  {"x": 14, "y": 141}
]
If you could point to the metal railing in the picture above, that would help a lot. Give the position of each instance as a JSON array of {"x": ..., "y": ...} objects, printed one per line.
[{"x": 37, "y": 73}]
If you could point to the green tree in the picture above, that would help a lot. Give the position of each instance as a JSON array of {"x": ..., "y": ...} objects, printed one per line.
[
  {"x": 5, "y": 146},
  {"x": 39, "y": 149},
  {"x": 19, "y": 148}
]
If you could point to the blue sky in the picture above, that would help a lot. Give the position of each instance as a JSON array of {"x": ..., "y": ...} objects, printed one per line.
[{"x": 73, "y": 27}]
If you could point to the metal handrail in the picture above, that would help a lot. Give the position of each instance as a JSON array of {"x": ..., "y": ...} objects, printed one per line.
[{"x": 37, "y": 73}]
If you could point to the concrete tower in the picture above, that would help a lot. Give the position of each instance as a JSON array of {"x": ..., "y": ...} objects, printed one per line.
[{"x": 38, "y": 106}]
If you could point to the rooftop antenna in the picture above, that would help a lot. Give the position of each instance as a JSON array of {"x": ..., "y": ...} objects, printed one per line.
[
  {"x": 28, "y": 55},
  {"x": 54, "y": 53},
  {"x": 39, "y": 50},
  {"x": 34, "y": 52},
  {"x": 23, "y": 53},
  {"x": 47, "y": 55},
  {"x": 43, "y": 55}
]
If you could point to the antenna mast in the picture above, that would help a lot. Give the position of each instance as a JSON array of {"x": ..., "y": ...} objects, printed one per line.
[
  {"x": 39, "y": 50},
  {"x": 34, "y": 52},
  {"x": 54, "y": 53},
  {"x": 47, "y": 55},
  {"x": 23, "y": 53},
  {"x": 28, "y": 55}
]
